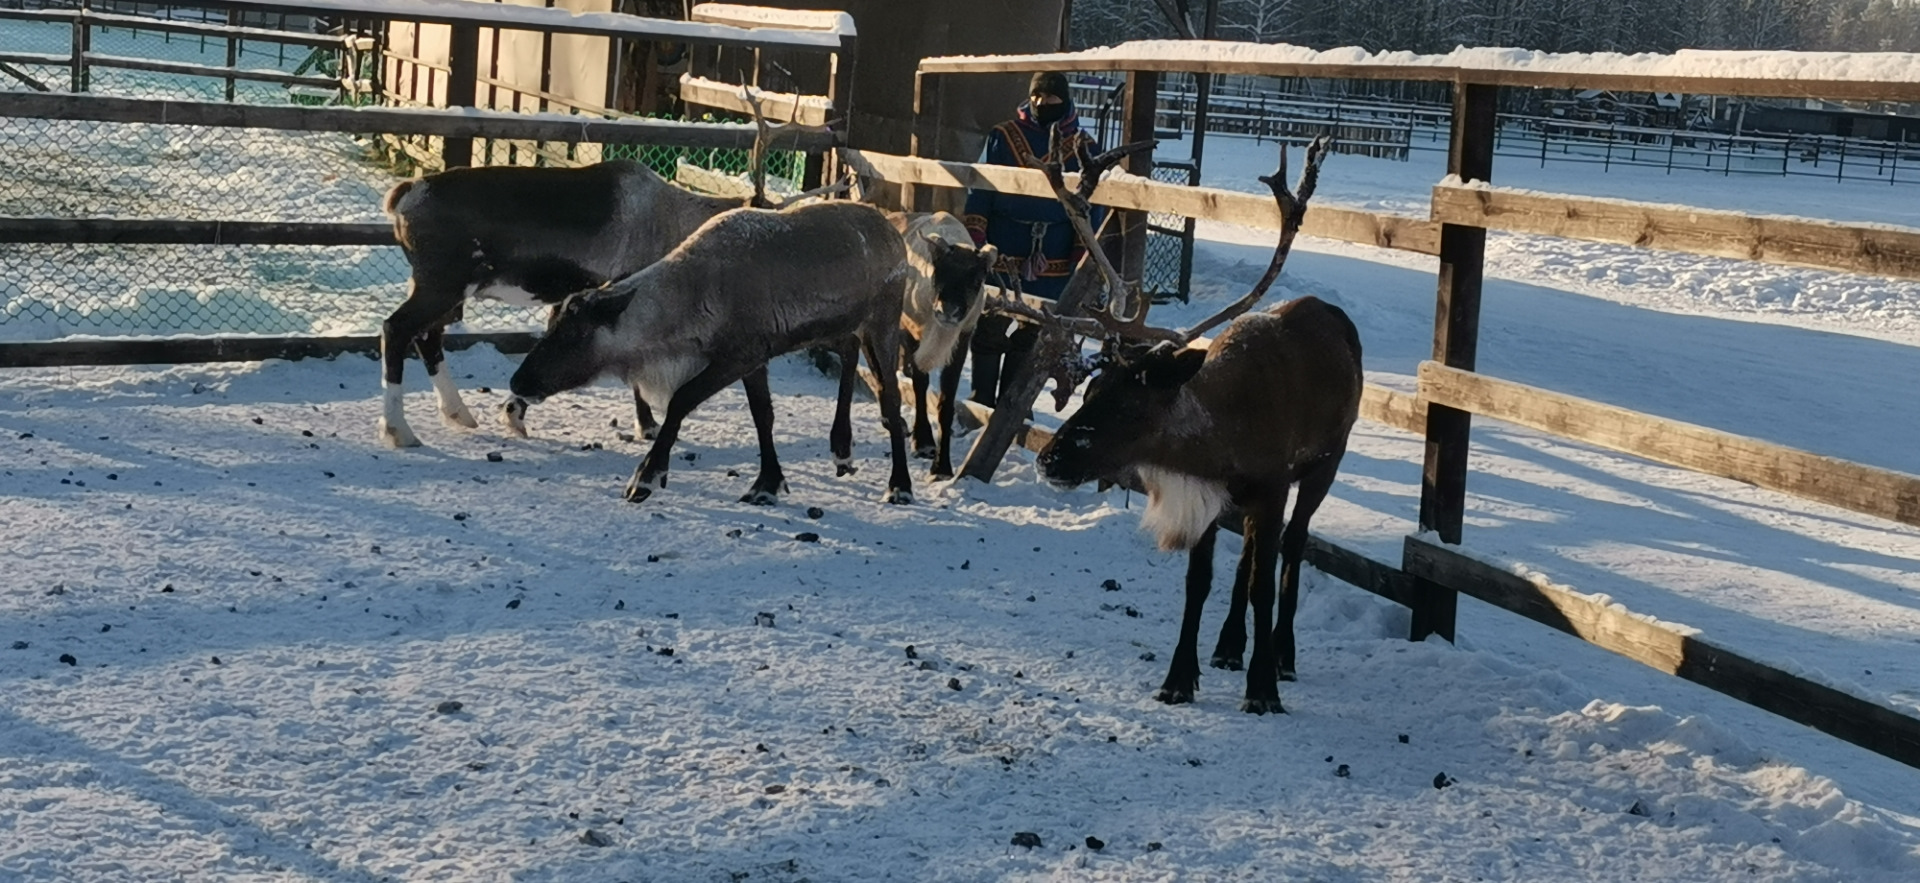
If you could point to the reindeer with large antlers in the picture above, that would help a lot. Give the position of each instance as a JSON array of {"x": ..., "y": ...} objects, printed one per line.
[{"x": 1267, "y": 403}]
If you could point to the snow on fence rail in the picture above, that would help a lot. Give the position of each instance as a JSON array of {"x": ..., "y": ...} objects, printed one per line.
[{"x": 1430, "y": 575}]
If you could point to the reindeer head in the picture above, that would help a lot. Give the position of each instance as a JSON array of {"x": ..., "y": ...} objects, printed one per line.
[
  {"x": 1132, "y": 402},
  {"x": 959, "y": 278},
  {"x": 569, "y": 356}
]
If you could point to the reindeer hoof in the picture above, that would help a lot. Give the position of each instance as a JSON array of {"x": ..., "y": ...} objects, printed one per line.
[
  {"x": 512, "y": 415},
  {"x": 1172, "y": 696},
  {"x": 648, "y": 433},
  {"x": 1262, "y": 706},
  {"x": 460, "y": 419},
  {"x": 638, "y": 488},
  {"x": 843, "y": 466},
  {"x": 940, "y": 473},
  {"x": 398, "y": 435},
  {"x": 899, "y": 496},
  {"x": 925, "y": 452},
  {"x": 762, "y": 496},
  {"x": 1230, "y": 663},
  {"x": 1287, "y": 674}
]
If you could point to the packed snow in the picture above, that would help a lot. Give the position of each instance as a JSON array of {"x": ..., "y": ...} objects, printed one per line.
[{"x": 242, "y": 641}]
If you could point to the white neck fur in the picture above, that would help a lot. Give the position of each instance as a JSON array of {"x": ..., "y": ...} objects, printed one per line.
[{"x": 1180, "y": 506}]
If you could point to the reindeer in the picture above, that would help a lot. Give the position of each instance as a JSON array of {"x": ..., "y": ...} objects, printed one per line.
[
  {"x": 945, "y": 294},
  {"x": 749, "y": 285},
  {"x": 1266, "y": 404}
]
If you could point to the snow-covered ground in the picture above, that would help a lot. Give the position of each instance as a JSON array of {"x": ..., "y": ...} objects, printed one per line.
[{"x": 269, "y": 619}]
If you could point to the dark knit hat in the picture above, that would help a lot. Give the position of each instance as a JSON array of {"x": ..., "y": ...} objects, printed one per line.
[{"x": 1049, "y": 83}]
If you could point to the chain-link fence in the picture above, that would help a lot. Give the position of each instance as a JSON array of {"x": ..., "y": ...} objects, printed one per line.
[
  {"x": 1168, "y": 269},
  {"x": 67, "y": 169}
]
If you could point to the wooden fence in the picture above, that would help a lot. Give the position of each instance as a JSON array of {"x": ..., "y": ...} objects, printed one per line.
[{"x": 1433, "y": 570}]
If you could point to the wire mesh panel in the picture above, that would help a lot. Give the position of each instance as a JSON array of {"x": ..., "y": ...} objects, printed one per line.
[{"x": 1167, "y": 272}]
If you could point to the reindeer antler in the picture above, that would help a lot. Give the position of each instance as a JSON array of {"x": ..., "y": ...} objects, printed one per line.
[
  {"x": 1293, "y": 210},
  {"x": 757, "y": 157},
  {"x": 1079, "y": 213}
]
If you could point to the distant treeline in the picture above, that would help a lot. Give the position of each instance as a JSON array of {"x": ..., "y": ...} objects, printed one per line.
[{"x": 1551, "y": 25}]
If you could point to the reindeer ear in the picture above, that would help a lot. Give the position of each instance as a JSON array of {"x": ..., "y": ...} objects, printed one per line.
[
  {"x": 937, "y": 242},
  {"x": 1170, "y": 370}
]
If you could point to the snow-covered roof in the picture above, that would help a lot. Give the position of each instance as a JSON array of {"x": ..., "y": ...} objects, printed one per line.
[
  {"x": 608, "y": 24},
  {"x": 1831, "y": 74}
]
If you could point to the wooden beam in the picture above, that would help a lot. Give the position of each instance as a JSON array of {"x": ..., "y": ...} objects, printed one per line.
[
  {"x": 779, "y": 107},
  {"x": 1227, "y": 206},
  {"x": 173, "y": 232},
  {"x": 463, "y": 86},
  {"x": 1203, "y": 62},
  {"x": 1883, "y": 493},
  {"x": 95, "y": 59},
  {"x": 1867, "y": 724},
  {"x": 183, "y": 351},
  {"x": 1138, "y": 122},
  {"x": 1881, "y": 250},
  {"x": 182, "y": 26},
  {"x": 397, "y": 121},
  {"x": 1390, "y": 407}
]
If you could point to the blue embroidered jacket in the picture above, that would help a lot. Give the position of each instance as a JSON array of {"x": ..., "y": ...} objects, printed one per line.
[{"x": 1014, "y": 223}]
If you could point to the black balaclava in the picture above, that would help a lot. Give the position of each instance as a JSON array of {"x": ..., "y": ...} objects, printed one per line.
[{"x": 1050, "y": 83}]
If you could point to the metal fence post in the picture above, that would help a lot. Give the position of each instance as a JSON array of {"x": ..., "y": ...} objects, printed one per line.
[{"x": 1456, "y": 328}]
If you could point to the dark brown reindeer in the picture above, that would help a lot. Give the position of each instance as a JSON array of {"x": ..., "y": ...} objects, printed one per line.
[
  {"x": 750, "y": 285},
  {"x": 1267, "y": 404}
]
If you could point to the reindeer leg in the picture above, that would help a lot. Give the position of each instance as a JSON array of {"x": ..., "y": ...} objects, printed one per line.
[
  {"x": 1314, "y": 485},
  {"x": 1263, "y": 544},
  {"x": 949, "y": 401},
  {"x": 1183, "y": 676},
  {"x": 652, "y": 471},
  {"x": 882, "y": 354},
  {"x": 513, "y": 414},
  {"x": 771, "y": 482},
  {"x": 840, "y": 438},
  {"x": 1232, "y": 645},
  {"x": 644, "y": 426},
  {"x": 453, "y": 411},
  {"x": 923, "y": 443},
  {"x": 423, "y": 309}
]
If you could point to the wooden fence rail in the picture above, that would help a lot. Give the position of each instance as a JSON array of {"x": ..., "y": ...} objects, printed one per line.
[
  {"x": 1879, "y": 492},
  {"x": 1825, "y": 245},
  {"x": 1141, "y": 194}
]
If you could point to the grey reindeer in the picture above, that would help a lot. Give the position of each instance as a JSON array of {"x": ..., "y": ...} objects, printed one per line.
[{"x": 749, "y": 285}]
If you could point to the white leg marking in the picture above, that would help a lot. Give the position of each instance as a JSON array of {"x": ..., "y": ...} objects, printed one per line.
[
  {"x": 394, "y": 431},
  {"x": 453, "y": 411},
  {"x": 513, "y": 414},
  {"x": 1179, "y": 506}
]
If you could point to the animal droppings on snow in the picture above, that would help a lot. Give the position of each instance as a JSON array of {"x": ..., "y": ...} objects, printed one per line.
[
  {"x": 763, "y": 620},
  {"x": 68, "y": 659},
  {"x": 954, "y": 684},
  {"x": 1112, "y": 585},
  {"x": 451, "y": 706},
  {"x": 594, "y": 838},
  {"x": 912, "y": 653},
  {"x": 513, "y": 604},
  {"x": 816, "y": 512},
  {"x": 1095, "y": 843},
  {"x": 216, "y": 660},
  {"x": 1638, "y": 809},
  {"x": 1403, "y": 738},
  {"x": 21, "y": 645},
  {"x": 620, "y": 605},
  {"x": 459, "y": 516},
  {"x": 495, "y": 457},
  {"x": 1442, "y": 780},
  {"x": 257, "y": 421},
  {"x": 734, "y": 533},
  {"x": 308, "y": 433},
  {"x": 1342, "y": 771},
  {"x": 1153, "y": 846},
  {"x": 807, "y": 537},
  {"x": 664, "y": 651},
  {"x": 106, "y": 628},
  {"x": 776, "y": 789},
  {"x": 1027, "y": 839}
]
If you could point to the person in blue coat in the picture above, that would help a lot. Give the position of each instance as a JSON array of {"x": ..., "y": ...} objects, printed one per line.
[{"x": 1038, "y": 247}]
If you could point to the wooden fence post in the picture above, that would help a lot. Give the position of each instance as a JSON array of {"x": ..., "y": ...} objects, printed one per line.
[
  {"x": 1138, "y": 123},
  {"x": 462, "y": 84},
  {"x": 1456, "y": 328},
  {"x": 925, "y": 140}
]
